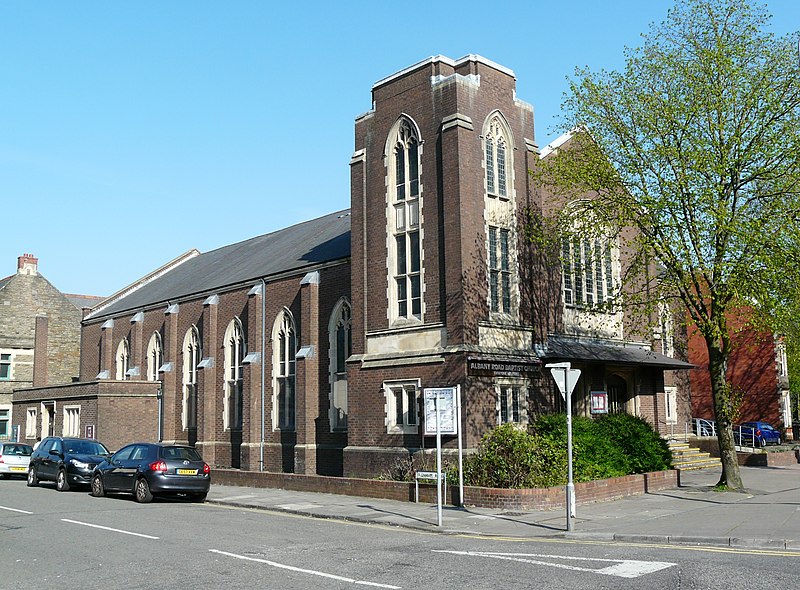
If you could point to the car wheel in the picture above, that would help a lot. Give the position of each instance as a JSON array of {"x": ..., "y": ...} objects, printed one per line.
[
  {"x": 62, "y": 485},
  {"x": 142, "y": 491},
  {"x": 33, "y": 478},
  {"x": 199, "y": 497},
  {"x": 98, "y": 490}
]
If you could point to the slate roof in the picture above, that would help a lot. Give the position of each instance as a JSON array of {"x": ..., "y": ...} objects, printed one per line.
[
  {"x": 305, "y": 245},
  {"x": 562, "y": 349},
  {"x": 83, "y": 301}
]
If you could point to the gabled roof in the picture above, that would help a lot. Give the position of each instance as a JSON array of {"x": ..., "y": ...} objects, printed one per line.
[
  {"x": 305, "y": 245},
  {"x": 83, "y": 301}
]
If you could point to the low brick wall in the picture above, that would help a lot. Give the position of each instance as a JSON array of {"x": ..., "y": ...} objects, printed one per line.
[
  {"x": 768, "y": 459},
  {"x": 525, "y": 499}
]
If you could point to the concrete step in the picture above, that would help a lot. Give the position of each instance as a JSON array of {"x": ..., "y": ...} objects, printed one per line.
[
  {"x": 686, "y": 458},
  {"x": 693, "y": 465}
]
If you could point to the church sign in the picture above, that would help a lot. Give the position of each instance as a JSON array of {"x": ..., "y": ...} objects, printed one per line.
[{"x": 502, "y": 368}]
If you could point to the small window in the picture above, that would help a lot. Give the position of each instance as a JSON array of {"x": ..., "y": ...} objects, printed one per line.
[
  {"x": 5, "y": 366},
  {"x": 511, "y": 403},
  {"x": 72, "y": 421},
  {"x": 30, "y": 423},
  {"x": 402, "y": 407}
]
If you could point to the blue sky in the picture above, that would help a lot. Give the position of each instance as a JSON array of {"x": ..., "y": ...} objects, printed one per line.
[{"x": 131, "y": 132}]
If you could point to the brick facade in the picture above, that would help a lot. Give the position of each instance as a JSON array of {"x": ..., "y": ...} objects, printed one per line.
[{"x": 39, "y": 329}]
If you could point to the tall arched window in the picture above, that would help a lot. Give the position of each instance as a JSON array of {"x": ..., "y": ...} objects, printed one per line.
[
  {"x": 341, "y": 347},
  {"x": 588, "y": 259},
  {"x": 500, "y": 215},
  {"x": 234, "y": 380},
  {"x": 122, "y": 361},
  {"x": 405, "y": 248},
  {"x": 155, "y": 356},
  {"x": 496, "y": 143},
  {"x": 191, "y": 357},
  {"x": 284, "y": 343}
]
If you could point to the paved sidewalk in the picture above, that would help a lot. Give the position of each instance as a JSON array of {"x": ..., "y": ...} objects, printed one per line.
[{"x": 766, "y": 516}]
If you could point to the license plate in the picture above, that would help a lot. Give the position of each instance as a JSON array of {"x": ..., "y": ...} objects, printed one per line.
[
  {"x": 186, "y": 471},
  {"x": 18, "y": 469}
]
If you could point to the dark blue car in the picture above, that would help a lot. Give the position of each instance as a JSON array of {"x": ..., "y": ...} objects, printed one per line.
[{"x": 756, "y": 434}]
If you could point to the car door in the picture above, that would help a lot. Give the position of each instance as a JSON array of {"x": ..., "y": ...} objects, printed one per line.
[
  {"x": 115, "y": 475},
  {"x": 51, "y": 459}
]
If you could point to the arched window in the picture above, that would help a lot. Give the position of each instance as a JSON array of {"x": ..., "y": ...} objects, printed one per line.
[
  {"x": 341, "y": 347},
  {"x": 191, "y": 357},
  {"x": 405, "y": 248},
  {"x": 500, "y": 216},
  {"x": 155, "y": 356},
  {"x": 122, "y": 361},
  {"x": 496, "y": 143},
  {"x": 234, "y": 380},
  {"x": 588, "y": 260},
  {"x": 284, "y": 343}
]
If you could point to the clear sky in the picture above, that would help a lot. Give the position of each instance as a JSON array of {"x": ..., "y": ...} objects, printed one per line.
[{"x": 131, "y": 132}]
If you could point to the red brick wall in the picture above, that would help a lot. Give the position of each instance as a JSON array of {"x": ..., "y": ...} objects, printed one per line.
[
  {"x": 752, "y": 367},
  {"x": 525, "y": 499}
]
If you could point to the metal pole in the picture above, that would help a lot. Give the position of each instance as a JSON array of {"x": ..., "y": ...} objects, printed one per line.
[
  {"x": 460, "y": 449},
  {"x": 438, "y": 463},
  {"x": 570, "y": 485}
]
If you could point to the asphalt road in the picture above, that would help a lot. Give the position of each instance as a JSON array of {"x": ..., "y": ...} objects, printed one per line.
[{"x": 71, "y": 540}]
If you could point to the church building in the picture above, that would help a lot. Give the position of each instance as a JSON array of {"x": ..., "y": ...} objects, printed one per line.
[{"x": 308, "y": 350}]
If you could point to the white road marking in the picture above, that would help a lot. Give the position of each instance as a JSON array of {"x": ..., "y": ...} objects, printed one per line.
[
  {"x": 621, "y": 568},
  {"x": 298, "y": 506},
  {"x": 105, "y": 528},
  {"x": 15, "y": 510},
  {"x": 304, "y": 571}
]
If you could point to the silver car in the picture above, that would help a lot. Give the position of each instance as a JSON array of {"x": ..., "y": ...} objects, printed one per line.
[{"x": 14, "y": 459}]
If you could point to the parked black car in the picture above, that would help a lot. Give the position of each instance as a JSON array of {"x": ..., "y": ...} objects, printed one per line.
[
  {"x": 148, "y": 469},
  {"x": 67, "y": 461}
]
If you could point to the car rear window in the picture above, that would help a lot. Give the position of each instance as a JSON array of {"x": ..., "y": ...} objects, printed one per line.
[
  {"x": 20, "y": 450},
  {"x": 187, "y": 453}
]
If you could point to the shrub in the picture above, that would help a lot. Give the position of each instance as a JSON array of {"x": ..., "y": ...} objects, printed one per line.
[
  {"x": 595, "y": 456},
  {"x": 511, "y": 458},
  {"x": 645, "y": 449}
]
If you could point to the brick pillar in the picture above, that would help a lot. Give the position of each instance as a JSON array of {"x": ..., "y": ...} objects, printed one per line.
[
  {"x": 136, "y": 351},
  {"x": 209, "y": 398},
  {"x": 306, "y": 377},
  {"x": 40, "y": 356},
  {"x": 251, "y": 423},
  {"x": 170, "y": 398},
  {"x": 107, "y": 346}
]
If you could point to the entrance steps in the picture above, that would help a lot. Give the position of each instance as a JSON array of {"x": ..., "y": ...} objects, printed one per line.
[{"x": 686, "y": 458}]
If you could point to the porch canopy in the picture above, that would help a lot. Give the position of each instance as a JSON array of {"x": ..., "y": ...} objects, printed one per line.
[{"x": 564, "y": 349}]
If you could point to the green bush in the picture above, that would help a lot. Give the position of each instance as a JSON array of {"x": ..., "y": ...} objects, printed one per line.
[
  {"x": 594, "y": 456},
  {"x": 610, "y": 446},
  {"x": 509, "y": 457},
  {"x": 645, "y": 449}
]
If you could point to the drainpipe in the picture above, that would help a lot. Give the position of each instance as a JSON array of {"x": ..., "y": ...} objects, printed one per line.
[{"x": 263, "y": 370}]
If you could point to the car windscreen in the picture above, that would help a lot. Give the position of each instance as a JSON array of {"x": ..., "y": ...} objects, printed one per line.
[
  {"x": 84, "y": 447},
  {"x": 186, "y": 453}
]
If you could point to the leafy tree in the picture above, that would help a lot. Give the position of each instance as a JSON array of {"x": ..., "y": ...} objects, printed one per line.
[{"x": 696, "y": 145}]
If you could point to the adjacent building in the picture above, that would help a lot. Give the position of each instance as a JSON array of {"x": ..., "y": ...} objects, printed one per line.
[
  {"x": 40, "y": 331},
  {"x": 308, "y": 350}
]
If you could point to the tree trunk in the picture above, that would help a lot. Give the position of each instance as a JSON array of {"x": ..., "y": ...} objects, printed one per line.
[{"x": 720, "y": 393}]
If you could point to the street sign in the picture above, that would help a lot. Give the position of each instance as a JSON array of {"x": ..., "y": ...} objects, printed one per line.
[{"x": 565, "y": 377}]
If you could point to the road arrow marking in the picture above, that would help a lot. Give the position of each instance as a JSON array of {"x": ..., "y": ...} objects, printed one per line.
[{"x": 621, "y": 568}]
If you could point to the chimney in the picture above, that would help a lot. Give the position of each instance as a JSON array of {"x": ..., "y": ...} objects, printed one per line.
[{"x": 27, "y": 264}]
